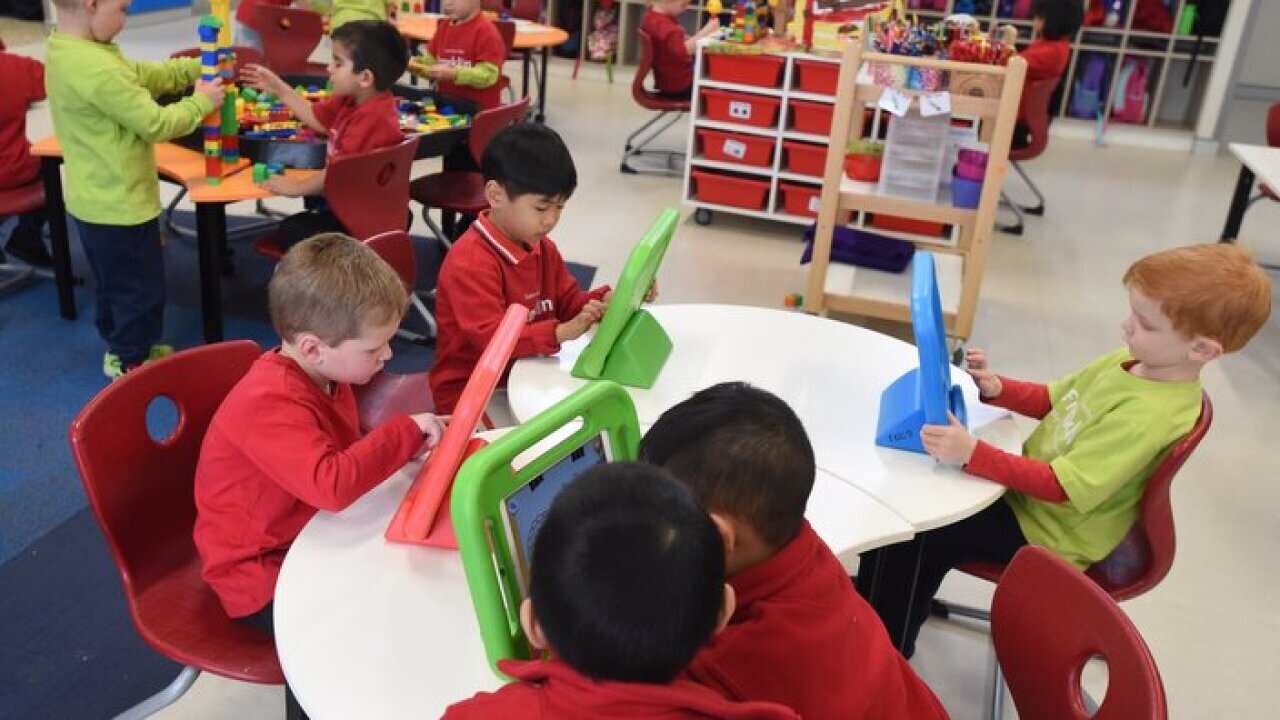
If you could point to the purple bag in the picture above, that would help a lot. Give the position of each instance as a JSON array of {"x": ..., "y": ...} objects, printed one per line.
[{"x": 864, "y": 249}]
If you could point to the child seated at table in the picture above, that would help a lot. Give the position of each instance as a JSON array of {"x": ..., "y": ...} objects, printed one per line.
[
  {"x": 286, "y": 440},
  {"x": 506, "y": 257},
  {"x": 108, "y": 122},
  {"x": 619, "y": 639},
  {"x": 359, "y": 116},
  {"x": 800, "y": 636},
  {"x": 673, "y": 49},
  {"x": 1054, "y": 24},
  {"x": 25, "y": 78},
  {"x": 1077, "y": 485},
  {"x": 465, "y": 55}
]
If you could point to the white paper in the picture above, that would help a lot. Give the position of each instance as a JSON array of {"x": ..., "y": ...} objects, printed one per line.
[
  {"x": 937, "y": 103},
  {"x": 895, "y": 101},
  {"x": 739, "y": 109},
  {"x": 815, "y": 203},
  {"x": 734, "y": 148}
]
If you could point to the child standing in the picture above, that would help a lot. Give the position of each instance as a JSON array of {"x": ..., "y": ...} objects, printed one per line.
[
  {"x": 673, "y": 50},
  {"x": 800, "y": 636},
  {"x": 465, "y": 55},
  {"x": 359, "y": 116},
  {"x": 620, "y": 639},
  {"x": 107, "y": 122},
  {"x": 24, "y": 80},
  {"x": 345, "y": 11},
  {"x": 1104, "y": 429},
  {"x": 506, "y": 257}
]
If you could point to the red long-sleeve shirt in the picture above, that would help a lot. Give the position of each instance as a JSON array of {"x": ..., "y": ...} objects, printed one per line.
[
  {"x": 1027, "y": 476},
  {"x": 24, "y": 84},
  {"x": 483, "y": 274},
  {"x": 278, "y": 449}
]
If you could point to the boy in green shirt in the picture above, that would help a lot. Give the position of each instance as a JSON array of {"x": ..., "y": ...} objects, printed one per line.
[
  {"x": 1076, "y": 487},
  {"x": 344, "y": 11},
  {"x": 107, "y": 121}
]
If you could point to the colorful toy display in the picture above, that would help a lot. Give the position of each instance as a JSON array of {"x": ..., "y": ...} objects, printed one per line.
[
  {"x": 210, "y": 70},
  {"x": 422, "y": 116}
]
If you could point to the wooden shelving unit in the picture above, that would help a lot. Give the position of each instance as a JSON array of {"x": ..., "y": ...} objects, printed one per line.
[{"x": 960, "y": 264}]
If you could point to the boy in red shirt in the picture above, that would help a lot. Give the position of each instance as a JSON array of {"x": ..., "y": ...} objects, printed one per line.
[
  {"x": 800, "y": 636},
  {"x": 465, "y": 56},
  {"x": 24, "y": 80},
  {"x": 506, "y": 257},
  {"x": 359, "y": 116},
  {"x": 1054, "y": 23},
  {"x": 673, "y": 50},
  {"x": 286, "y": 442},
  {"x": 620, "y": 639}
]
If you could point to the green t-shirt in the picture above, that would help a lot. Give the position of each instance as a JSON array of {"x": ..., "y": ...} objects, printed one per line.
[
  {"x": 344, "y": 11},
  {"x": 107, "y": 122},
  {"x": 1106, "y": 434}
]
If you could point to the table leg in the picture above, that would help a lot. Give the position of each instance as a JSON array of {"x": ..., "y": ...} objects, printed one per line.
[
  {"x": 542, "y": 86},
  {"x": 211, "y": 230},
  {"x": 56, "y": 208},
  {"x": 524, "y": 72},
  {"x": 870, "y": 577},
  {"x": 1239, "y": 203}
]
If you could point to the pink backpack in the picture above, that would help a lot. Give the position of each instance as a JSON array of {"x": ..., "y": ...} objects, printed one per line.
[{"x": 1131, "y": 91}]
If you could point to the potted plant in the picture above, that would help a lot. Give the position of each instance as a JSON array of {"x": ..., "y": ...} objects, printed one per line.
[{"x": 862, "y": 160}]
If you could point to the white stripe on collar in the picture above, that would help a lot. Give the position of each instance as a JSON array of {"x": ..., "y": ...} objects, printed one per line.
[{"x": 484, "y": 231}]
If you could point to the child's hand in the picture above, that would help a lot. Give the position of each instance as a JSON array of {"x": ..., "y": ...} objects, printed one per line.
[
  {"x": 949, "y": 443},
  {"x": 653, "y": 291},
  {"x": 989, "y": 384},
  {"x": 588, "y": 316},
  {"x": 262, "y": 79},
  {"x": 440, "y": 72},
  {"x": 419, "y": 65},
  {"x": 283, "y": 185},
  {"x": 432, "y": 428},
  {"x": 212, "y": 89}
]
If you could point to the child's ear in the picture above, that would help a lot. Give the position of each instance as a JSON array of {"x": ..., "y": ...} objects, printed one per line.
[
  {"x": 308, "y": 346},
  {"x": 366, "y": 79},
  {"x": 728, "y": 533},
  {"x": 532, "y": 630},
  {"x": 727, "y": 607},
  {"x": 1204, "y": 349},
  {"x": 495, "y": 193}
]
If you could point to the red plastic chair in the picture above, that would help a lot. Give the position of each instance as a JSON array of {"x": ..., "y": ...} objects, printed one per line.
[
  {"x": 1047, "y": 620},
  {"x": 1145, "y": 555},
  {"x": 1034, "y": 107},
  {"x": 651, "y": 100},
  {"x": 507, "y": 30},
  {"x": 141, "y": 493},
  {"x": 16, "y": 201},
  {"x": 461, "y": 192},
  {"x": 244, "y": 56},
  {"x": 289, "y": 36}
]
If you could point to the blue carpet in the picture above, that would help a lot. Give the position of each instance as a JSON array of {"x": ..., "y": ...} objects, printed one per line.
[{"x": 67, "y": 646}]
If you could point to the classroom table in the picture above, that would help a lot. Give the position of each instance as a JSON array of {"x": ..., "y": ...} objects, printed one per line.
[
  {"x": 369, "y": 628},
  {"x": 1256, "y": 161},
  {"x": 185, "y": 167},
  {"x": 530, "y": 36}
]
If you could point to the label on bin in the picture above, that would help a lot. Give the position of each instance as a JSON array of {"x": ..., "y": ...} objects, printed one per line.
[
  {"x": 815, "y": 202},
  {"x": 895, "y": 101},
  {"x": 938, "y": 103},
  {"x": 740, "y": 109},
  {"x": 734, "y": 148}
]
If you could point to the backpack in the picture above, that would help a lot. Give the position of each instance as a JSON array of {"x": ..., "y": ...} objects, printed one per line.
[
  {"x": 1106, "y": 12},
  {"x": 927, "y": 4},
  {"x": 1153, "y": 15},
  {"x": 1089, "y": 93},
  {"x": 1131, "y": 99}
]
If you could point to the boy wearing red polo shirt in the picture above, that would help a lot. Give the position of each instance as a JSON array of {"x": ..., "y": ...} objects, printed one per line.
[
  {"x": 465, "y": 55},
  {"x": 673, "y": 50},
  {"x": 800, "y": 636},
  {"x": 620, "y": 639},
  {"x": 506, "y": 257},
  {"x": 359, "y": 116}
]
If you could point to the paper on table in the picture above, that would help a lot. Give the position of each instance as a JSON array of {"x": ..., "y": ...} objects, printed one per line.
[{"x": 982, "y": 415}]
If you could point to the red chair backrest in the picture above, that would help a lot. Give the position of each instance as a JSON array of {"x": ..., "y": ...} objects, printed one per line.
[
  {"x": 488, "y": 123},
  {"x": 1273, "y": 125},
  {"x": 507, "y": 31},
  {"x": 396, "y": 248},
  {"x": 1047, "y": 620},
  {"x": 369, "y": 192},
  {"x": 244, "y": 56},
  {"x": 1144, "y": 557},
  {"x": 142, "y": 491},
  {"x": 638, "y": 90},
  {"x": 289, "y": 36},
  {"x": 1034, "y": 107}
]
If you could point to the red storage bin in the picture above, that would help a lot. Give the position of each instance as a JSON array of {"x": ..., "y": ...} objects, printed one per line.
[
  {"x": 741, "y": 108},
  {"x": 805, "y": 158},
  {"x": 736, "y": 147},
  {"x": 800, "y": 200},
  {"x": 907, "y": 225},
  {"x": 817, "y": 77},
  {"x": 722, "y": 189},
  {"x": 759, "y": 70},
  {"x": 811, "y": 117}
]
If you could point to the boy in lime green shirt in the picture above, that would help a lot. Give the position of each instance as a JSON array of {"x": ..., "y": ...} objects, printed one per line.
[
  {"x": 344, "y": 11},
  {"x": 1077, "y": 486},
  {"x": 107, "y": 121}
]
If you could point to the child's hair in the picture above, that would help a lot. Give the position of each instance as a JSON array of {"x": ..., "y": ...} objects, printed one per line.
[
  {"x": 743, "y": 451},
  {"x": 332, "y": 286},
  {"x": 1216, "y": 291},
  {"x": 530, "y": 157},
  {"x": 627, "y": 575},
  {"x": 1062, "y": 18},
  {"x": 376, "y": 46}
]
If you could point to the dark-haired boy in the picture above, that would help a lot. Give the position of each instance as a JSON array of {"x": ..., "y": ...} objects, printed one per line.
[
  {"x": 359, "y": 116},
  {"x": 620, "y": 639},
  {"x": 800, "y": 636},
  {"x": 506, "y": 257}
]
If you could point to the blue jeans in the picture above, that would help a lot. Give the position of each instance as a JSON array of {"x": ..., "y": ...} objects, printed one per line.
[{"x": 128, "y": 267}]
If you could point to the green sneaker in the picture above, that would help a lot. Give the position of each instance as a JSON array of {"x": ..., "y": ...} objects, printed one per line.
[
  {"x": 111, "y": 366},
  {"x": 159, "y": 351}
]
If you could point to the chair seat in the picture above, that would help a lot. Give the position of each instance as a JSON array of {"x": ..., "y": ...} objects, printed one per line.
[
  {"x": 15, "y": 201},
  {"x": 180, "y": 616},
  {"x": 653, "y": 101},
  {"x": 390, "y": 394},
  {"x": 268, "y": 246},
  {"x": 454, "y": 190}
]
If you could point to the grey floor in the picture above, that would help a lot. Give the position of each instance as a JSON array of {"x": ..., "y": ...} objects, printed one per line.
[{"x": 1051, "y": 301}]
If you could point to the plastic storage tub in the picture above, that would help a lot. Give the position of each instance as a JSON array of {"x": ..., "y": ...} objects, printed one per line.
[
  {"x": 811, "y": 117},
  {"x": 805, "y": 158},
  {"x": 724, "y": 189},
  {"x": 758, "y": 70},
  {"x": 740, "y": 108},
  {"x": 736, "y": 147},
  {"x": 818, "y": 77},
  {"x": 907, "y": 225},
  {"x": 800, "y": 200}
]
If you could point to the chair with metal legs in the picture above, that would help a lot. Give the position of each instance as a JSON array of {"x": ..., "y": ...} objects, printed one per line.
[
  {"x": 669, "y": 112},
  {"x": 1035, "y": 113}
]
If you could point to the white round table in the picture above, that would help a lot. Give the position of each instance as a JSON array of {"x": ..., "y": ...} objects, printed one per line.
[
  {"x": 831, "y": 373},
  {"x": 370, "y": 628}
]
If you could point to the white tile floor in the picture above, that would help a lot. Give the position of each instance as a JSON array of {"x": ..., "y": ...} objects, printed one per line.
[{"x": 1050, "y": 302}]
